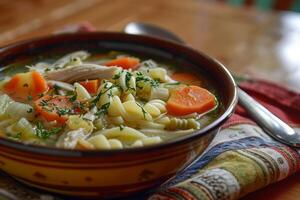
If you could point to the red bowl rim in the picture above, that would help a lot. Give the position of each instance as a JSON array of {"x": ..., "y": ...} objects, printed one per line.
[{"x": 50, "y": 151}]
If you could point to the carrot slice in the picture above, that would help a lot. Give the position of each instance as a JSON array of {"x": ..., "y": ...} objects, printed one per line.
[
  {"x": 12, "y": 84},
  {"x": 39, "y": 83},
  {"x": 125, "y": 62},
  {"x": 26, "y": 84},
  {"x": 56, "y": 108},
  {"x": 90, "y": 85},
  {"x": 190, "y": 99},
  {"x": 186, "y": 78}
]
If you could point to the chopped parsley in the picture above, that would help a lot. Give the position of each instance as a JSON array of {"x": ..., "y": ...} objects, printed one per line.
[
  {"x": 97, "y": 98},
  {"x": 121, "y": 126},
  {"x": 43, "y": 133},
  {"x": 43, "y": 103},
  {"x": 143, "y": 110},
  {"x": 15, "y": 137},
  {"x": 74, "y": 97},
  {"x": 29, "y": 98},
  {"x": 118, "y": 75},
  {"x": 30, "y": 110},
  {"x": 128, "y": 76},
  {"x": 110, "y": 93},
  {"x": 103, "y": 109},
  {"x": 18, "y": 135},
  {"x": 56, "y": 88},
  {"x": 70, "y": 93},
  {"x": 63, "y": 111},
  {"x": 146, "y": 79},
  {"x": 47, "y": 69}
]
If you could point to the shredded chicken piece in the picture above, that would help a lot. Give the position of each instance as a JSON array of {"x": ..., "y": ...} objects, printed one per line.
[
  {"x": 81, "y": 72},
  {"x": 69, "y": 139}
]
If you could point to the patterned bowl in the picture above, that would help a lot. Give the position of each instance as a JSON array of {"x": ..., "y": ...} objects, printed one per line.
[{"x": 112, "y": 173}]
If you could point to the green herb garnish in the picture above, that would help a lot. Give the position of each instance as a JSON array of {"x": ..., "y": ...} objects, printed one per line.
[
  {"x": 74, "y": 97},
  {"x": 103, "y": 109},
  {"x": 43, "y": 133},
  {"x": 143, "y": 110},
  {"x": 118, "y": 75},
  {"x": 63, "y": 111},
  {"x": 128, "y": 76},
  {"x": 30, "y": 110},
  {"x": 121, "y": 126},
  {"x": 97, "y": 98},
  {"x": 56, "y": 88},
  {"x": 43, "y": 103},
  {"x": 143, "y": 78},
  {"x": 110, "y": 93},
  {"x": 15, "y": 137},
  {"x": 29, "y": 98},
  {"x": 70, "y": 93}
]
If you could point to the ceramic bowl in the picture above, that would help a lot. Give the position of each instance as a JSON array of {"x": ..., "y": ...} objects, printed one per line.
[{"x": 112, "y": 173}]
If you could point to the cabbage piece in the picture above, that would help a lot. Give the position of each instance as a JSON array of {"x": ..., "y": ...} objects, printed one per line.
[
  {"x": 69, "y": 139},
  {"x": 24, "y": 127},
  {"x": 159, "y": 93},
  {"x": 5, "y": 100},
  {"x": 75, "y": 122},
  {"x": 18, "y": 110}
]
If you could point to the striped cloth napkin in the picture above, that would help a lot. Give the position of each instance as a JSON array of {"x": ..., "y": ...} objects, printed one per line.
[{"x": 241, "y": 159}]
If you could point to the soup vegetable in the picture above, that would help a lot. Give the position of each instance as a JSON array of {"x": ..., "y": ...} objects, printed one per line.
[{"x": 109, "y": 101}]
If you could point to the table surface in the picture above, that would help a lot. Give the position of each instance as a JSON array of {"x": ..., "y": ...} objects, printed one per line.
[{"x": 247, "y": 41}]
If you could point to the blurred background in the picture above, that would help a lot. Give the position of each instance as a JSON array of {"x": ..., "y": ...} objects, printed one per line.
[{"x": 251, "y": 37}]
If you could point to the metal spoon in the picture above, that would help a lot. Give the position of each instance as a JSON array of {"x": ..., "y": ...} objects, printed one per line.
[{"x": 269, "y": 122}]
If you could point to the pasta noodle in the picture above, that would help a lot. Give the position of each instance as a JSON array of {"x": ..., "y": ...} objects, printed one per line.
[
  {"x": 147, "y": 141},
  {"x": 81, "y": 92},
  {"x": 116, "y": 107},
  {"x": 159, "y": 93},
  {"x": 101, "y": 142},
  {"x": 173, "y": 123},
  {"x": 125, "y": 134}
]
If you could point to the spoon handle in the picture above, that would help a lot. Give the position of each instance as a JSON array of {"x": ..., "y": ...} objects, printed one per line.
[{"x": 268, "y": 121}]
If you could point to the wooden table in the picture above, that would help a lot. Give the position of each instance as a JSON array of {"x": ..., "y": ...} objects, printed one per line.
[{"x": 248, "y": 42}]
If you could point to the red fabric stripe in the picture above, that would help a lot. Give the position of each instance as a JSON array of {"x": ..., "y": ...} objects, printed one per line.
[
  {"x": 182, "y": 192},
  {"x": 237, "y": 119},
  {"x": 282, "y": 102}
]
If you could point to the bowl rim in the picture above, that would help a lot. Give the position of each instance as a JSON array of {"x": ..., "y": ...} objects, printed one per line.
[{"x": 52, "y": 151}]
